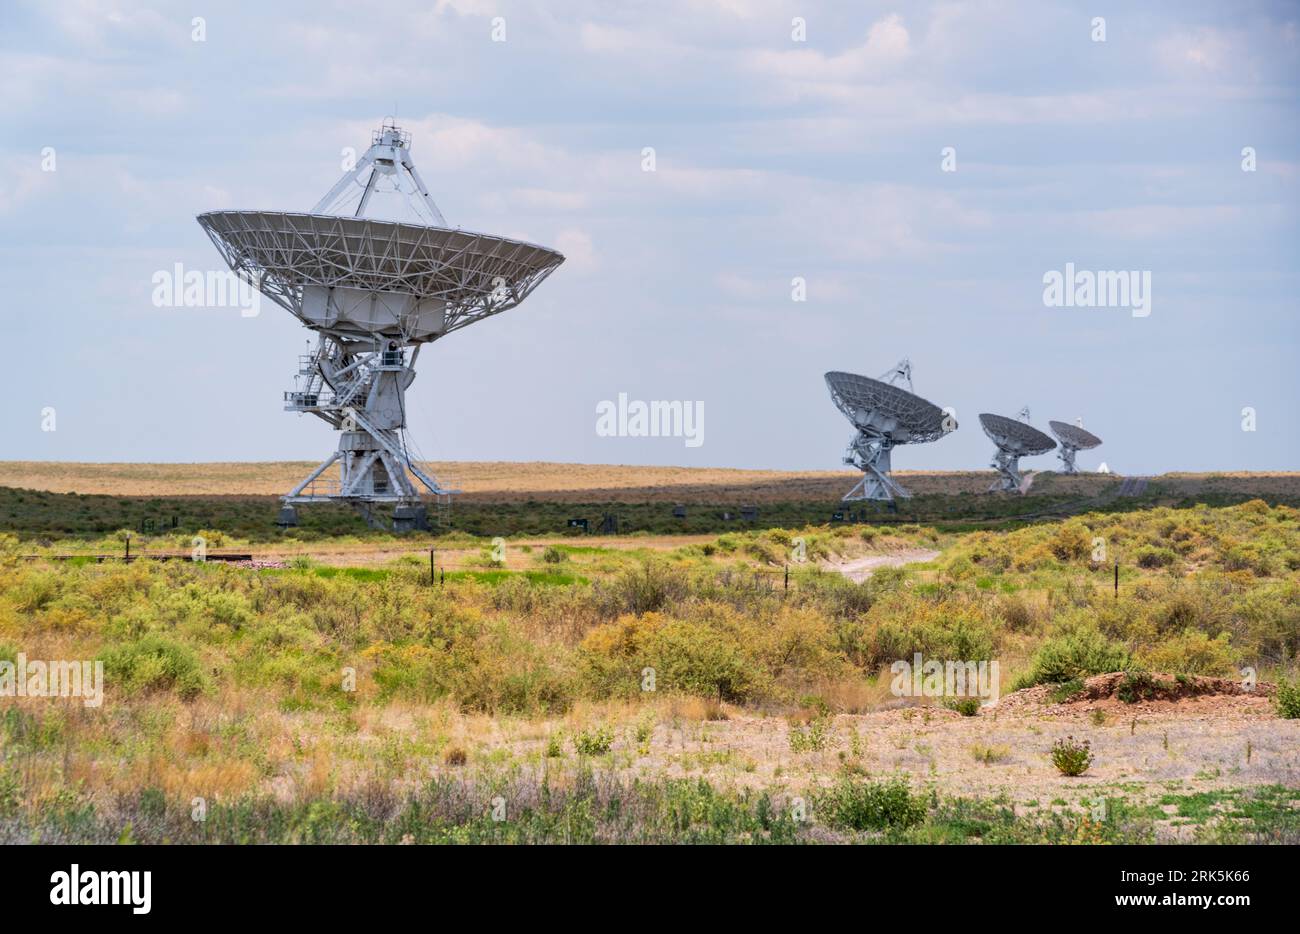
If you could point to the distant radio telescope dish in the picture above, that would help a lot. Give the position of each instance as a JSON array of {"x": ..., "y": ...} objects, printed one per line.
[
  {"x": 885, "y": 415},
  {"x": 1073, "y": 439},
  {"x": 372, "y": 288},
  {"x": 1015, "y": 438}
]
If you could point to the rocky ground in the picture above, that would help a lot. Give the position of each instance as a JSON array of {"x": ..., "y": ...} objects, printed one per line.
[{"x": 1160, "y": 753}]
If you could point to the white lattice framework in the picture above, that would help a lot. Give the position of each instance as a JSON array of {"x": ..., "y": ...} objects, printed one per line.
[
  {"x": 1015, "y": 438},
  {"x": 476, "y": 275},
  {"x": 375, "y": 291},
  {"x": 885, "y": 415},
  {"x": 1073, "y": 439}
]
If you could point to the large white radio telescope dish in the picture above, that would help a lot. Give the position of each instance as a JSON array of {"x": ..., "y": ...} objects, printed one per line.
[
  {"x": 1015, "y": 438},
  {"x": 1073, "y": 439},
  {"x": 885, "y": 415},
  {"x": 372, "y": 289}
]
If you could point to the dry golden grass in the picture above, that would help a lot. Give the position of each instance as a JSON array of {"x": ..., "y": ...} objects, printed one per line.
[{"x": 497, "y": 481}]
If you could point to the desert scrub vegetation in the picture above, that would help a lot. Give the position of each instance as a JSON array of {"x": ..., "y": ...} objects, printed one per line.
[
  {"x": 872, "y": 805},
  {"x": 1287, "y": 699},
  {"x": 590, "y": 807},
  {"x": 537, "y": 641},
  {"x": 1072, "y": 757},
  {"x": 231, "y": 678}
]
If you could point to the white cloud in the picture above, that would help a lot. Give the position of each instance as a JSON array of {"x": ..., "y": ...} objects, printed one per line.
[
  {"x": 578, "y": 249},
  {"x": 1206, "y": 50},
  {"x": 22, "y": 179},
  {"x": 886, "y": 46}
]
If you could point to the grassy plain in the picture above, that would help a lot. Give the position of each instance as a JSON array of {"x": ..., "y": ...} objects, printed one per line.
[
  {"x": 54, "y": 501},
  {"x": 347, "y": 697}
]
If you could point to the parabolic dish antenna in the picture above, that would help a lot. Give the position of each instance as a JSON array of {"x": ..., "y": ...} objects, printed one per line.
[
  {"x": 885, "y": 415},
  {"x": 371, "y": 289},
  {"x": 1073, "y": 439},
  {"x": 1015, "y": 438}
]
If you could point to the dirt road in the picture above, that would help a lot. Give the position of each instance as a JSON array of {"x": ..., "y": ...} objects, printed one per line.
[{"x": 859, "y": 569}]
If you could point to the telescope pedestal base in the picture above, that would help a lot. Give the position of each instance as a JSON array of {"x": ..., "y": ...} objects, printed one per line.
[
  {"x": 876, "y": 486},
  {"x": 410, "y": 519},
  {"x": 1009, "y": 479},
  {"x": 871, "y": 454}
]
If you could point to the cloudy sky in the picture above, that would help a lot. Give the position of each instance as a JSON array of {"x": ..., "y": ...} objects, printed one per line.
[{"x": 775, "y": 160}]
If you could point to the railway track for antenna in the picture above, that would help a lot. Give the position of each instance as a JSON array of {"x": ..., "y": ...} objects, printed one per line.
[{"x": 1133, "y": 486}]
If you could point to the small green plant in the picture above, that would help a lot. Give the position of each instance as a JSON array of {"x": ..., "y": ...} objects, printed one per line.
[
  {"x": 1071, "y": 757},
  {"x": 966, "y": 706},
  {"x": 593, "y": 742},
  {"x": 555, "y": 746},
  {"x": 810, "y": 738},
  {"x": 553, "y": 555},
  {"x": 10, "y": 795},
  {"x": 1098, "y": 717},
  {"x": 455, "y": 756},
  {"x": 989, "y": 754},
  {"x": 1061, "y": 693},
  {"x": 1287, "y": 699},
  {"x": 1137, "y": 686},
  {"x": 885, "y": 805}
]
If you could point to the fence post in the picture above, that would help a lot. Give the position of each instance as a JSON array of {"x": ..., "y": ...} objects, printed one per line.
[
  {"x": 787, "y": 575},
  {"x": 431, "y": 574},
  {"x": 127, "y": 556},
  {"x": 1117, "y": 580}
]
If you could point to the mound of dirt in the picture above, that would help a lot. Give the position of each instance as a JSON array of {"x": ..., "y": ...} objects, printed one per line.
[
  {"x": 1154, "y": 692},
  {"x": 1130, "y": 688}
]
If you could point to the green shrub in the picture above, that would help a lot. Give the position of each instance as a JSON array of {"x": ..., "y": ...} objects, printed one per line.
[
  {"x": 696, "y": 658},
  {"x": 1137, "y": 685},
  {"x": 966, "y": 706},
  {"x": 1194, "y": 653},
  {"x": 1062, "y": 692},
  {"x": 1287, "y": 699},
  {"x": 1078, "y": 654},
  {"x": 812, "y": 737},
  {"x": 10, "y": 794},
  {"x": 1017, "y": 614},
  {"x": 553, "y": 555},
  {"x": 153, "y": 663},
  {"x": 1071, "y": 757},
  {"x": 1151, "y": 557},
  {"x": 885, "y": 805},
  {"x": 1072, "y": 542},
  {"x": 593, "y": 742},
  {"x": 648, "y": 589}
]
